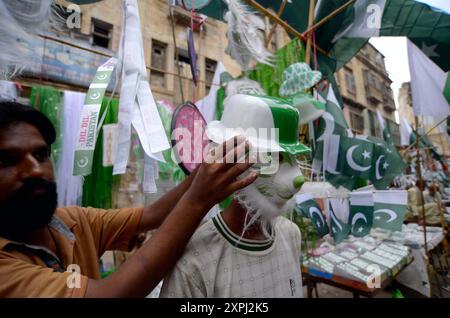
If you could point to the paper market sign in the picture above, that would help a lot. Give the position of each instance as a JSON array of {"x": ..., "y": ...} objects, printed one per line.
[{"x": 87, "y": 132}]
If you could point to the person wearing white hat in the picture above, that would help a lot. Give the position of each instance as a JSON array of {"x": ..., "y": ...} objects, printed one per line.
[{"x": 250, "y": 249}]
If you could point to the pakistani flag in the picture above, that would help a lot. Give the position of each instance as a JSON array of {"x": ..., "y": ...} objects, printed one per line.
[
  {"x": 307, "y": 207},
  {"x": 333, "y": 120},
  {"x": 339, "y": 229},
  {"x": 355, "y": 157},
  {"x": 406, "y": 133},
  {"x": 387, "y": 163},
  {"x": 384, "y": 129},
  {"x": 389, "y": 209},
  {"x": 429, "y": 85},
  {"x": 344, "y": 35},
  {"x": 361, "y": 212}
]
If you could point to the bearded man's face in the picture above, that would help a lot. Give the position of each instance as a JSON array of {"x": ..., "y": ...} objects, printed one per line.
[{"x": 27, "y": 189}]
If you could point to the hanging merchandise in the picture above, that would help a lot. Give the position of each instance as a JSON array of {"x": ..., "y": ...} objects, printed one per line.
[
  {"x": 207, "y": 105},
  {"x": 48, "y": 101},
  {"x": 308, "y": 207},
  {"x": 390, "y": 209},
  {"x": 70, "y": 187},
  {"x": 297, "y": 79},
  {"x": 137, "y": 106},
  {"x": 88, "y": 130},
  {"x": 244, "y": 44},
  {"x": 19, "y": 22},
  {"x": 98, "y": 186},
  {"x": 361, "y": 212},
  {"x": 8, "y": 91},
  {"x": 339, "y": 218}
]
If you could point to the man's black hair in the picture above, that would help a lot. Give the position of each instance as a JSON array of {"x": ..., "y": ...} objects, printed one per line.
[{"x": 12, "y": 113}]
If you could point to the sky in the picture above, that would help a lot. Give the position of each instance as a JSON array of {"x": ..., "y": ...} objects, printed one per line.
[{"x": 394, "y": 50}]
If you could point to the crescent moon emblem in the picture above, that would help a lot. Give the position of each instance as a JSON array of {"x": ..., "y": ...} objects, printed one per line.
[
  {"x": 358, "y": 216},
  {"x": 377, "y": 168},
  {"x": 95, "y": 95},
  {"x": 102, "y": 76},
  {"x": 392, "y": 214},
  {"x": 352, "y": 163},
  {"x": 83, "y": 162},
  {"x": 314, "y": 210}
]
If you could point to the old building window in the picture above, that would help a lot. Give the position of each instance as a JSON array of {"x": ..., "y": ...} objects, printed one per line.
[
  {"x": 350, "y": 82},
  {"x": 357, "y": 122},
  {"x": 101, "y": 33},
  {"x": 158, "y": 64},
  {"x": 210, "y": 69}
]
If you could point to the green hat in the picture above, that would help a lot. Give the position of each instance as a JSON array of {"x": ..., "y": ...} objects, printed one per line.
[
  {"x": 243, "y": 113},
  {"x": 297, "y": 78}
]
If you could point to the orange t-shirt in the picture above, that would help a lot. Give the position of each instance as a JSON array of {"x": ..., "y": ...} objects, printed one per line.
[{"x": 82, "y": 235}]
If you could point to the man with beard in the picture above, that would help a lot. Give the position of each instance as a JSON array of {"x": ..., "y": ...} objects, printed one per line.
[
  {"x": 41, "y": 245},
  {"x": 250, "y": 250}
]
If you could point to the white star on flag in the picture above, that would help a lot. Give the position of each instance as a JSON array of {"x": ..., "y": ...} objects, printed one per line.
[
  {"x": 366, "y": 154},
  {"x": 378, "y": 217},
  {"x": 360, "y": 229},
  {"x": 385, "y": 165}
]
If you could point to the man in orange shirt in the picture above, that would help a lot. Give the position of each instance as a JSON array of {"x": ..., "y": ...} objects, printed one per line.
[{"x": 53, "y": 252}]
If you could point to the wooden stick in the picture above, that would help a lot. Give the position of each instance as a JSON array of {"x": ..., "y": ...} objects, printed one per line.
[
  {"x": 429, "y": 131},
  {"x": 283, "y": 24},
  {"x": 419, "y": 175},
  {"x": 328, "y": 17},
  {"x": 309, "y": 35},
  {"x": 272, "y": 31}
]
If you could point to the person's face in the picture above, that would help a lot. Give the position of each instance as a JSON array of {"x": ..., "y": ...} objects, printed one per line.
[{"x": 27, "y": 188}]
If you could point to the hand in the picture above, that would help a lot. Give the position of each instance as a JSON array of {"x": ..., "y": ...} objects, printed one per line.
[{"x": 216, "y": 177}]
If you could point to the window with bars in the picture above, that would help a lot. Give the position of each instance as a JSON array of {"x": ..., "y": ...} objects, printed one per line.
[
  {"x": 350, "y": 82},
  {"x": 101, "y": 32},
  {"x": 210, "y": 69},
  {"x": 158, "y": 64}
]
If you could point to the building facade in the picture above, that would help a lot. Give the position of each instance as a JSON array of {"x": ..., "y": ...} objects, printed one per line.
[
  {"x": 365, "y": 88},
  {"x": 69, "y": 59}
]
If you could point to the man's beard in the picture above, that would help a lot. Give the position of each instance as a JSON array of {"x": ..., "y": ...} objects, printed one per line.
[
  {"x": 260, "y": 209},
  {"x": 24, "y": 212}
]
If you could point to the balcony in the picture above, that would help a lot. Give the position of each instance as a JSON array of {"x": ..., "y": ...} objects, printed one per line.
[
  {"x": 373, "y": 94},
  {"x": 389, "y": 105}
]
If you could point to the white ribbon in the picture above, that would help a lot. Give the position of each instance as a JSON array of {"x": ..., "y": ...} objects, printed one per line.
[{"x": 136, "y": 105}]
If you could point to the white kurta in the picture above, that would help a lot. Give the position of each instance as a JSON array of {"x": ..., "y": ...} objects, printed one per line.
[{"x": 217, "y": 264}]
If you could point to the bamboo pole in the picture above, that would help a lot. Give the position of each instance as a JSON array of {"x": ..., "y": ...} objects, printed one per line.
[
  {"x": 328, "y": 17},
  {"x": 309, "y": 34},
  {"x": 280, "y": 22},
  {"x": 272, "y": 31},
  {"x": 419, "y": 175},
  {"x": 427, "y": 133}
]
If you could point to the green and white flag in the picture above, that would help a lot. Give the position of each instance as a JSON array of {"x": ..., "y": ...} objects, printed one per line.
[
  {"x": 406, "y": 133},
  {"x": 389, "y": 209},
  {"x": 384, "y": 129},
  {"x": 428, "y": 83},
  {"x": 338, "y": 210},
  {"x": 307, "y": 207},
  {"x": 387, "y": 163},
  {"x": 361, "y": 212},
  {"x": 355, "y": 157},
  {"x": 87, "y": 132}
]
